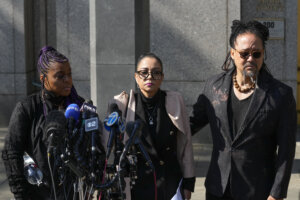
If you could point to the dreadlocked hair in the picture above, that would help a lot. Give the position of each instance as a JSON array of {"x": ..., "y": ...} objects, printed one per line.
[
  {"x": 239, "y": 28},
  {"x": 47, "y": 56}
]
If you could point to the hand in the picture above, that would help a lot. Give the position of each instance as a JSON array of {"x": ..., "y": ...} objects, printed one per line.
[
  {"x": 187, "y": 194},
  {"x": 272, "y": 198}
]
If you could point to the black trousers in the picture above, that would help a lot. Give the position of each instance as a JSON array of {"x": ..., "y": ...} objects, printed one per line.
[{"x": 226, "y": 196}]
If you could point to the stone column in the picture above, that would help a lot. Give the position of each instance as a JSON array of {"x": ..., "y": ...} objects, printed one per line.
[
  {"x": 112, "y": 49},
  {"x": 16, "y": 51},
  {"x": 72, "y": 40}
]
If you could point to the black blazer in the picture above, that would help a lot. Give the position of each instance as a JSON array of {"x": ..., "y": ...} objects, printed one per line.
[
  {"x": 249, "y": 162},
  {"x": 161, "y": 148}
]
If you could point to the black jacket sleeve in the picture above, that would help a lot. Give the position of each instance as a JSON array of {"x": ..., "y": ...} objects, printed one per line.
[
  {"x": 189, "y": 183},
  {"x": 286, "y": 141},
  {"x": 199, "y": 115},
  {"x": 12, "y": 153}
]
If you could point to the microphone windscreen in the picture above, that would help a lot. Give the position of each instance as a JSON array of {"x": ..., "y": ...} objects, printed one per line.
[
  {"x": 89, "y": 101},
  {"x": 72, "y": 111},
  {"x": 114, "y": 108},
  {"x": 88, "y": 106},
  {"x": 137, "y": 126},
  {"x": 55, "y": 121},
  {"x": 129, "y": 128}
]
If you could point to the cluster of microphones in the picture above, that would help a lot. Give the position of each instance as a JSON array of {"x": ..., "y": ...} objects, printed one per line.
[{"x": 74, "y": 144}]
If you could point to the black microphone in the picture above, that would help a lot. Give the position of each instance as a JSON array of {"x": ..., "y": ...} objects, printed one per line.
[
  {"x": 111, "y": 123},
  {"x": 89, "y": 116},
  {"x": 144, "y": 152},
  {"x": 135, "y": 131},
  {"x": 54, "y": 128},
  {"x": 88, "y": 106}
]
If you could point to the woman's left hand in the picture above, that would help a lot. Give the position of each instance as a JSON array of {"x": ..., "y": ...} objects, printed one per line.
[{"x": 187, "y": 194}]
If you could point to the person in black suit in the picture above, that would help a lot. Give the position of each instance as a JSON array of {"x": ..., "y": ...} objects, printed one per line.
[{"x": 252, "y": 117}]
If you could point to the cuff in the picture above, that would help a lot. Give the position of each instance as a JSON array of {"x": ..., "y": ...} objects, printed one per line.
[{"x": 189, "y": 183}]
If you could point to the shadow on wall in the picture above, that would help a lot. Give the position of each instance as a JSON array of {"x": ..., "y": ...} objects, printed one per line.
[
  {"x": 191, "y": 47},
  {"x": 73, "y": 40},
  {"x": 183, "y": 62},
  {"x": 12, "y": 65}
]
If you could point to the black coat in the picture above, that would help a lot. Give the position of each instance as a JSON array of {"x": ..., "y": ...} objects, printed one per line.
[
  {"x": 249, "y": 162},
  {"x": 26, "y": 135},
  {"x": 161, "y": 146}
]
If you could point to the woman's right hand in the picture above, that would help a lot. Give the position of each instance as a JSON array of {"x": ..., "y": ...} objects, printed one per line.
[{"x": 187, "y": 194}]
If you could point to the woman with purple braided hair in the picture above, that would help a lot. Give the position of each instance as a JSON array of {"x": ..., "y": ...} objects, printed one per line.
[{"x": 26, "y": 128}]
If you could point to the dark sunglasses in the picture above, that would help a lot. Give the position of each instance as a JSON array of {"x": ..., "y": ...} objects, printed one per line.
[
  {"x": 144, "y": 74},
  {"x": 246, "y": 54}
]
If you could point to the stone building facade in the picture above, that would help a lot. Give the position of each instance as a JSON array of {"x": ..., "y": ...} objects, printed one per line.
[{"x": 103, "y": 38}]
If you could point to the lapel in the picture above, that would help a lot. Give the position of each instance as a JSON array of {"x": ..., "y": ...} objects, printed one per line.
[
  {"x": 257, "y": 100},
  {"x": 220, "y": 103},
  {"x": 146, "y": 135}
]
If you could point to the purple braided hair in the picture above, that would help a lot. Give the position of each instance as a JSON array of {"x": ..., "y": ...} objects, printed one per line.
[{"x": 47, "y": 56}]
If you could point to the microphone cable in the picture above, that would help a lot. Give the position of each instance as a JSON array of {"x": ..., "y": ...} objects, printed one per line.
[
  {"x": 155, "y": 186},
  {"x": 67, "y": 193},
  {"x": 120, "y": 185},
  {"x": 89, "y": 193},
  {"x": 51, "y": 174},
  {"x": 103, "y": 177},
  {"x": 85, "y": 192}
]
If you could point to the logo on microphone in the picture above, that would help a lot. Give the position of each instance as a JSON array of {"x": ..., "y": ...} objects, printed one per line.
[
  {"x": 88, "y": 107},
  {"x": 91, "y": 124},
  {"x": 114, "y": 119}
]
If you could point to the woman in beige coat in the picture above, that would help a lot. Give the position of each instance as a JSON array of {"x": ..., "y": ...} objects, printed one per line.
[{"x": 166, "y": 135}]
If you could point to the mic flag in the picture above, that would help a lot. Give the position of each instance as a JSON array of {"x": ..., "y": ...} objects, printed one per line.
[
  {"x": 114, "y": 119},
  {"x": 54, "y": 128},
  {"x": 115, "y": 125},
  {"x": 91, "y": 124},
  {"x": 72, "y": 111}
]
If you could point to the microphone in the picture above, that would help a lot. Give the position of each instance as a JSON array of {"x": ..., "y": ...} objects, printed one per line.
[
  {"x": 54, "y": 128},
  {"x": 114, "y": 108},
  {"x": 89, "y": 116},
  {"x": 144, "y": 152},
  {"x": 88, "y": 106},
  {"x": 114, "y": 124},
  {"x": 72, "y": 111},
  {"x": 114, "y": 119},
  {"x": 72, "y": 114},
  {"x": 135, "y": 128}
]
